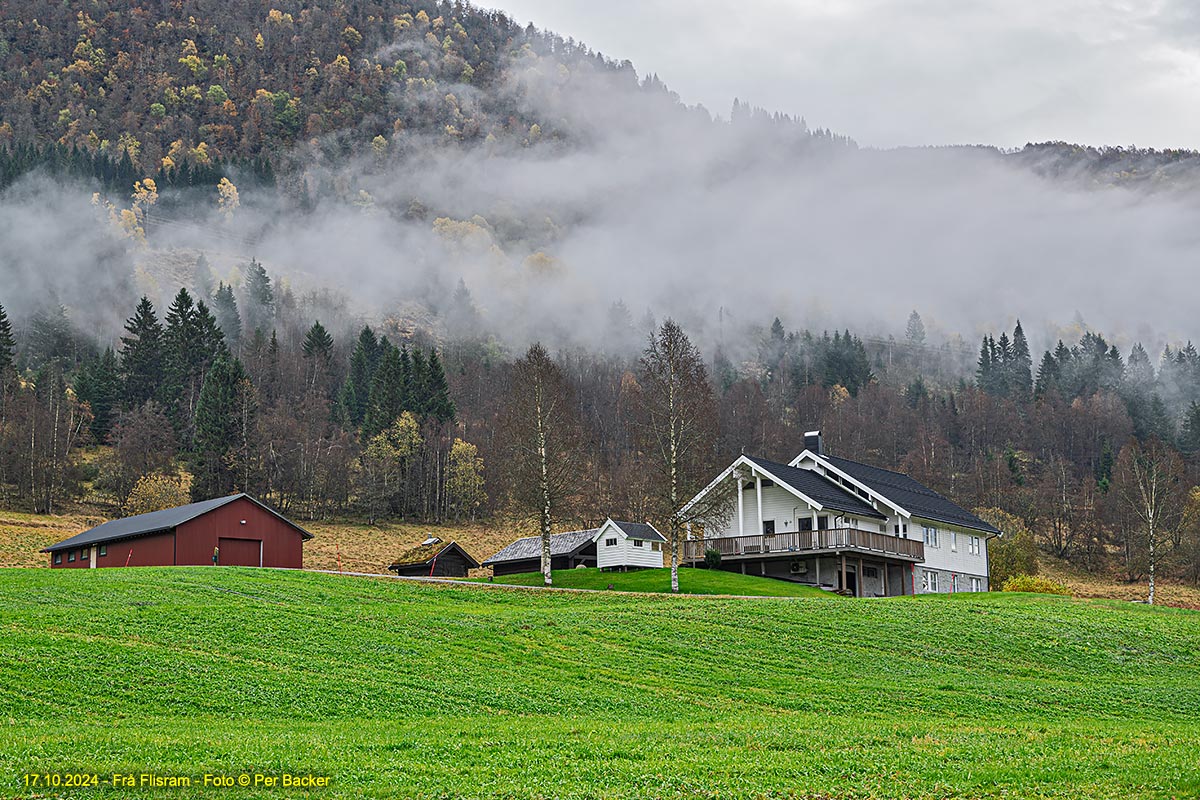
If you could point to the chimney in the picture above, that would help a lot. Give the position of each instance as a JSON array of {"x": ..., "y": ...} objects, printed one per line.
[{"x": 812, "y": 441}]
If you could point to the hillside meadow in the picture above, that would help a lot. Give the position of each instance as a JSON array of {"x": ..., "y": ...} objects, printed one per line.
[{"x": 394, "y": 689}]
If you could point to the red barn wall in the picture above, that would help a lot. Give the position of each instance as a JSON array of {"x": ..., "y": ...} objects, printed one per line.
[{"x": 282, "y": 545}]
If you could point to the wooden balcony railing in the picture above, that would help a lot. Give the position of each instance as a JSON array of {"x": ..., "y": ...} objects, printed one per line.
[{"x": 802, "y": 541}]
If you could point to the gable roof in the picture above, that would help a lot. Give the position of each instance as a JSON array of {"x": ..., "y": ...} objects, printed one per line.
[
  {"x": 157, "y": 522},
  {"x": 424, "y": 554},
  {"x": 918, "y": 499},
  {"x": 816, "y": 486},
  {"x": 561, "y": 544},
  {"x": 633, "y": 530}
]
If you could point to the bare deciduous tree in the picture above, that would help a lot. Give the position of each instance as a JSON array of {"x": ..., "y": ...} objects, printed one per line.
[
  {"x": 1147, "y": 478},
  {"x": 677, "y": 423},
  {"x": 542, "y": 439}
]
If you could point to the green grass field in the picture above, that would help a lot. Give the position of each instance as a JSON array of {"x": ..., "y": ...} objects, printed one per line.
[
  {"x": 691, "y": 581},
  {"x": 394, "y": 689}
]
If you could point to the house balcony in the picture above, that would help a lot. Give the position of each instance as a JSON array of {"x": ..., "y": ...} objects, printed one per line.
[{"x": 836, "y": 540}]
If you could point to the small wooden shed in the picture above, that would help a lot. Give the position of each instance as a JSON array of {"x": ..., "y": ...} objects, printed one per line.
[{"x": 434, "y": 558}]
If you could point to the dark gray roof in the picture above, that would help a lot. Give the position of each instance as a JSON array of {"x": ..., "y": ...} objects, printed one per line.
[
  {"x": 818, "y": 487},
  {"x": 156, "y": 522},
  {"x": 561, "y": 544},
  {"x": 640, "y": 530},
  {"x": 916, "y": 498}
]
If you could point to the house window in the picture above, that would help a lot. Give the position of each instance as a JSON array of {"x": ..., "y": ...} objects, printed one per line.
[
  {"x": 70, "y": 556},
  {"x": 976, "y": 585},
  {"x": 929, "y": 581},
  {"x": 656, "y": 547},
  {"x": 103, "y": 550},
  {"x": 870, "y": 572},
  {"x": 610, "y": 542},
  {"x": 822, "y": 523},
  {"x": 883, "y": 527},
  {"x": 638, "y": 543},
  {"x": 931, "y": 537},
  {"x": 84, "y": 553},
  {"x": 768, "y": 527},
  {"x": 974, "y": 545},
  {"x": 805, "y": 523},
  {"x": 953, "y": 542},
  {"x": 58, "y": 558}
]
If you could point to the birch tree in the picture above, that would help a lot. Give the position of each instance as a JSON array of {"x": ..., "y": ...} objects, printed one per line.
[
  {"x": 542, "y": 439},
  {"x": 677, "y": 423},
  {"x": 1148, "y": 480}
]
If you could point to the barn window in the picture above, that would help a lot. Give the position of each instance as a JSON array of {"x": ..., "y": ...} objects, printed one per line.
[
  {"x": 58, "y": 558},
  {"x": 103, "y": 550},
  {"x": 638, "y": 543},
  {"x": 70, "y": 556},
  {"x": 870, "y": 572},
  {"x": 610, "y": 542}
]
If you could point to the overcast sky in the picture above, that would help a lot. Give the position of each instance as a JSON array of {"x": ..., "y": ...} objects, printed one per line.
[{"x": 891, "y": 72}]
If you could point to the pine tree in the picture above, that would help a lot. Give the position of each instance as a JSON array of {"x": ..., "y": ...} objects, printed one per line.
[
  {"x": 440, "y": 406},
  {"x": 142, "y": 356},
  {"x": 221, "y": 457},
  {"x": 1021, "y": 373}
]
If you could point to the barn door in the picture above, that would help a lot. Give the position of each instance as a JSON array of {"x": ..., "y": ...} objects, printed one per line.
[{"x": 240, "y": 552}]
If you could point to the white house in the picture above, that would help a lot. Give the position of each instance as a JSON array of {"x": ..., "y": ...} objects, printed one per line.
[
  {"x": 840, "y": 524},
  {"x": 620, "y": 545}
]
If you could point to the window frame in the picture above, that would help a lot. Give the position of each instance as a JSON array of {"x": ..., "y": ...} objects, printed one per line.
[
  {"x": 58, "y": 557},
  {"x": 70, "y": 556},
  {"x": 768, "y": 527},
  {"x": 931, "y": 537},
  {"x": 929, "y": 581},
  {"x": 976, "y": 584},
  {"x": 103, "y": 551},
  {"x": 610, "y": 541},
  {"x": 638, "y": 543}
]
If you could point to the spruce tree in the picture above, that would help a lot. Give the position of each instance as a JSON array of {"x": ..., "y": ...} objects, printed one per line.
[
  {"x": 221, "y": 457},
  {"x": 386, "y": 400},
  {"x": 1189, "y": 435},
  {"x": 352, "y": 399},
  {"x": 1047, "y": 376},
  {"x": 98, "y": 383},
  {"x": 142, "y": 356},
  {"x": 986, "y": 365},
  {"x": 260, "y": 296},
  {"x": 228, "y": 318},
  {"x": 1021, "y": 372},
  {"x": 8, "y": 345},
  {"x": 417, "y": 385},
  {"x": 914, "y": 332},
  {"x": 440, "y": 406}
]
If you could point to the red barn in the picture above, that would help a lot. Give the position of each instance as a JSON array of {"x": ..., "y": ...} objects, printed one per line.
[{"x": 242, "y": 531}]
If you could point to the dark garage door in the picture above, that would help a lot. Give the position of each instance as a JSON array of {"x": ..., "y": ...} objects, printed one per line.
[{"x": 240, "y": 552}]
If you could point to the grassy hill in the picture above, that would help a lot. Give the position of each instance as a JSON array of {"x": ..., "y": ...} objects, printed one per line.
[
  {"x": 691, "y": 581},
  {"x": 395, "y": 689}
]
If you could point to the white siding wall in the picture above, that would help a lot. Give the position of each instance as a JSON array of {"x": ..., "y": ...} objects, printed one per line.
[
  {"x": 952, "y": 557},
  {"x": 624, "y": 553}
]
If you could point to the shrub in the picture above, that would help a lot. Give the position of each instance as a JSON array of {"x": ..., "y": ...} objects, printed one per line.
[
  {"x": 712, "y": 558},
  {"x": 1032, "y": 583},
  {"x": 1014, "y": 553}
]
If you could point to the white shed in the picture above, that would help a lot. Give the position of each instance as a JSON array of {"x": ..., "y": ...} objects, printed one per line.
[{"x": 628, "y": 544}]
